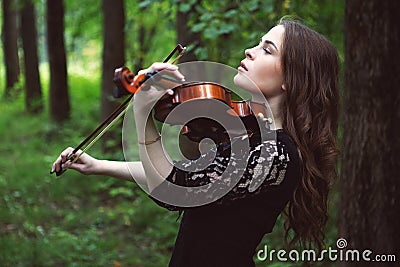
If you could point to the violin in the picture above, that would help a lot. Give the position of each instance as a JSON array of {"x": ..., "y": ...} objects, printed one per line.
[{"x": 196, "y": 129}]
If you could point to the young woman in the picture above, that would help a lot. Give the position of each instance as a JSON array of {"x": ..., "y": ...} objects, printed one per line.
[{"x": 296, "y": 70}]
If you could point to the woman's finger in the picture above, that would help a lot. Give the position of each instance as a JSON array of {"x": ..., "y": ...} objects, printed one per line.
[
  {"x": 57, "y": 165},
  {"x": 161, "y": 66},
  {"x": 171, "y": 69}
]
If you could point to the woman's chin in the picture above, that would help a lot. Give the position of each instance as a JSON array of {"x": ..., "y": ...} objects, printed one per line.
[
  {"x": 242, "y": 81},
  {"x": 245, "y": 83}
]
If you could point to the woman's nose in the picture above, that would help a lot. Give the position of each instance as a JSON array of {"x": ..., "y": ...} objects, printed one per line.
[{"x": 249, "y": 53}]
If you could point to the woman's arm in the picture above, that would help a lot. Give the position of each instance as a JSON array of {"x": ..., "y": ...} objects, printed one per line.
[
  {"x": 88, "y": 165},
  {"x": 156, "y": 164},
  {"x": 129, "y": 171}
]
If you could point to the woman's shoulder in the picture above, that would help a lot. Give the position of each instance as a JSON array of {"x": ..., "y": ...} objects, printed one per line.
[
  {"x": 277, "y": 155},
  {"x": 288, "y": 155},
  {"x": 285, "y": 141},
  {"x": 276, "y": 142},
  {"x": 280, "y": 141}
]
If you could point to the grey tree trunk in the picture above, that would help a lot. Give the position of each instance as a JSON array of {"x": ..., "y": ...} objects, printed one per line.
[
  {"x": 10, "y": 45},
  {"x": 33, "y": 89},
  {"x": 370, "y": 184},
  {"x": 113, "y": 57},
  {"x": 59, "y": 96}
]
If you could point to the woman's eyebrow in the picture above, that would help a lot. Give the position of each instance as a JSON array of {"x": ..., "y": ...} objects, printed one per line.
[{"x": 270, "y": 42}]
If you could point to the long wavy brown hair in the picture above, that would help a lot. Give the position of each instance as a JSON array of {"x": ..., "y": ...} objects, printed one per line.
[{"x": 310, "y": 116}]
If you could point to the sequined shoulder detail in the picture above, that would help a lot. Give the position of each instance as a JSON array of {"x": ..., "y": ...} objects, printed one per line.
[{"x": 265, "y": 165}]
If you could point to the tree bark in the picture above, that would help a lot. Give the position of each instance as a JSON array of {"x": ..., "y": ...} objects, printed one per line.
[
  {"x": 370, "y": 184},
  {"x": 59, "y": 97},
  {"x": 33, "y": 93},
  {"x": 184, "y": 34},
  {"x": 10, "y": 44},
  {"x": 113, "y": 57}
]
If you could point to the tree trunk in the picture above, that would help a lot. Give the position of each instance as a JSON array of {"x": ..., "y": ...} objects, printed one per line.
[
  {"x": 59, "y": 97},
  {"x": 144, "y": 40},
  {"x": 185, "y": 36},
  {"x": 10, "y": 44},
  {"x": 113, "y": 57},
  {"x": 33, "y": 94},
  {"x": 370, "y": 199}
]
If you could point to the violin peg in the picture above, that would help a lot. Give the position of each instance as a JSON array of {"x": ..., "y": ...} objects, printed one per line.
[{"x": 261, "y": 116}]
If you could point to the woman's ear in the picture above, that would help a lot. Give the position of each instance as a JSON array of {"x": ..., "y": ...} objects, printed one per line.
[{"x": 283, "y": 87}]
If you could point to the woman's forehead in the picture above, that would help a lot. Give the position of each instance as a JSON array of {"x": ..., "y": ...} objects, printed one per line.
[{"x": 275, "y": 35}]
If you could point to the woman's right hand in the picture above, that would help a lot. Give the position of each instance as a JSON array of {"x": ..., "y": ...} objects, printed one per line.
[{"x": 85, "y": 164}]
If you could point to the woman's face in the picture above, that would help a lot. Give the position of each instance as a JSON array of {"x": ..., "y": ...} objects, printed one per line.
[{"x": 261, "y": 69}]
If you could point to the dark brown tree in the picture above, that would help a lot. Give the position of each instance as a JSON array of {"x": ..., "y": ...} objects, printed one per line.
[
  {"x": 113, "y": 57},
  {"x": 33, "y": 89},
  {"x": 59, "y": 97},
  {"x": 185, "y": 36},
  {"x": 10, "y": 45},
  {"x": 370, "y": 184},
  {"x": 145, "y": 37}
]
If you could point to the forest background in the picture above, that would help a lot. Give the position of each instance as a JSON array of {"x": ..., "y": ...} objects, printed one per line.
[{"x": 76, "y": 220}]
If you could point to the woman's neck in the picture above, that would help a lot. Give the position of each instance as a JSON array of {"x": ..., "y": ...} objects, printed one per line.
[{"x": 274, "y": 104}]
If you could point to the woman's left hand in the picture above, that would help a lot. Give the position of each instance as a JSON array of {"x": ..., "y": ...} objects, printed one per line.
[{"x": 145, "y": 100}]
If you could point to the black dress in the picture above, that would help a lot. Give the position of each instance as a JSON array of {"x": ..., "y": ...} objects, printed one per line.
[{"x": 227, "y": 231}]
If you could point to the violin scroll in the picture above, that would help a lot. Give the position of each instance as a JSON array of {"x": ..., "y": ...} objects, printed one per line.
[
  {"x": 124, "y": 78},
  {"x": 126, "y": 85}
]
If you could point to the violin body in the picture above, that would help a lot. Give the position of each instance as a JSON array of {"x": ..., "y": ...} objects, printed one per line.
[
  {"x": 202, "y": 96},
  {"x": 189, "y": 92}
]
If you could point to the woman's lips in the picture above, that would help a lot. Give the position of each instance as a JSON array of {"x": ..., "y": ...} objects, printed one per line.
[{"x": 242, "y": 67}]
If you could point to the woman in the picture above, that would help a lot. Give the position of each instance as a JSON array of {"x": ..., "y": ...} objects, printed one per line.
[{"x": 296, "y": 69}]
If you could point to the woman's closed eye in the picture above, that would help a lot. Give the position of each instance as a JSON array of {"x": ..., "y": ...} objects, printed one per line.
[{"x": 266, "y": 50}]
